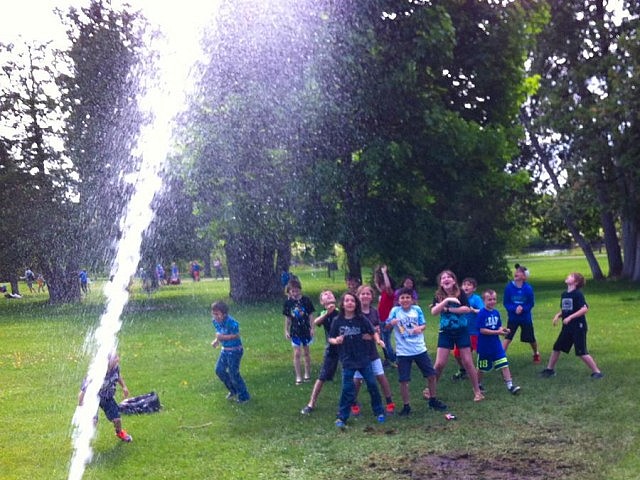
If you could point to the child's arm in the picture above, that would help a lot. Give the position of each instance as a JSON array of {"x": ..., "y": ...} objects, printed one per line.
[
  {"x": 556, "y": 317},
  {"x": 500, "y": 331},
  {"x": 287, "y": 327},
  {"x": 578, "y": 313},
  {"x": 385, "y": 276},
  {"x": 125, "y": 390},
  {"x": 320, "y": 319},
  {"x": 312, "y": 325},
  {"x": 81, "y": 397}
]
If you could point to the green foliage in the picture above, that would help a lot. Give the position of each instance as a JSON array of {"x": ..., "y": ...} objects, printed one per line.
[{"x": 165, "y": 346}]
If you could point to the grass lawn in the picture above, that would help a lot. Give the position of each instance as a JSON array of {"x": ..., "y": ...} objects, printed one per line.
[{"x": 568, "y": 427}]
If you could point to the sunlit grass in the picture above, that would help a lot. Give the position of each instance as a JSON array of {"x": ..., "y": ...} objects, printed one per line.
[{"x": 165, "y": 346}]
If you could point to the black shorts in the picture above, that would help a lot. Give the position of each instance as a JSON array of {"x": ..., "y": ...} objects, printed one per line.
[
  {"x": 526, "y": 331},
  {"x": 575, "y": 336},
  {"x": 329, "y": 363},
  {"x": 110, "y": 408}
]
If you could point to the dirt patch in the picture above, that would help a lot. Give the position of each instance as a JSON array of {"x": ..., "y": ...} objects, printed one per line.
[{"x": 465, "y": 466}]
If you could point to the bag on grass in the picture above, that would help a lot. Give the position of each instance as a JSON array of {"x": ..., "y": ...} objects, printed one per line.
[{"x": 147, "y": 403}]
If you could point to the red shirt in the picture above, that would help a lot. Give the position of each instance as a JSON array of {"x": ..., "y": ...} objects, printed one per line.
[{"x": 385, "y": 305}]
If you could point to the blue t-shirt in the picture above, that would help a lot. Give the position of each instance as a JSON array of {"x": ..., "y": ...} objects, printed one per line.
[
  {"x": 454, "y": 321},
  {"x": 353, "y": 351},
  {"x": 515, "y": 296},
  {"x": 476, "y": 303},
  {"x": 228, "y": 327},
  {"x": 489, "y": 346},
  {"x": 408, "y": 344}
]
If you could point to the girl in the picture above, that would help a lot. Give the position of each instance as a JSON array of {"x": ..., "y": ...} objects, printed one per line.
[
  {"x": 451, "y": 304},
  {"x": 299, "y": 328}
]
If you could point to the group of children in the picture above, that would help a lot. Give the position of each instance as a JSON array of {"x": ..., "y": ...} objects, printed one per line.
[{"x": 354, "y": 330}]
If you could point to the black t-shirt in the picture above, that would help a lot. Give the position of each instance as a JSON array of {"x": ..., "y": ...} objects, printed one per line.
[
  {"x": 354, "y": 351},
  {"x": 299, "y": 311}
]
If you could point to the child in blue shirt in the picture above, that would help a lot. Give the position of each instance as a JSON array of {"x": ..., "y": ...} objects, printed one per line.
[{"x": 228, "y": 365}]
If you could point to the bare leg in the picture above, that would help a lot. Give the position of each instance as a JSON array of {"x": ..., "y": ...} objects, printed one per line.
[
  {"x": 590, "y": 362},
  {"x": 307, "y": 363},
  {"x": 296, "y": 363}
]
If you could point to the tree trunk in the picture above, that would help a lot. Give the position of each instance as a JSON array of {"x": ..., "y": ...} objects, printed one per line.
[
  {"x": 283, "y": 259},
  {"x": 15, "y": 286},
  {"x": 354, "y": 268},
  {"x": 251, "y": 266},
  {"x": 63, "y": 285},
  {"x": 630, "y": 239},
  {"x": 611, "y": 242}
]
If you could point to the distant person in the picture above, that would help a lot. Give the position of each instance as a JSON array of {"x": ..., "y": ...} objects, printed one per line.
[
  {"x": 29, "y": 278},
  {"x": 407, "y": 282},
  {"x": 350, "y": 332},
  {"x": 84, "y": 281},
  {"x": 299, "y": 328},
  {"x": 469, "y": 286},
  {"x": 519, "y": 301},
  {"x": 175, "y": 274},
  {"x": 217, "y": 265},
  {"x": 385, "y": 286},
  {"x": 353, "y": 282},
  {"x": 228, "y": 365},
  {"x": 160, "y": 275},
  {"x": 40, "y": 281},
  {"x": 573, "y": 311},
  {"x": 195, "y": 271},
  {"x": 491, "y": 354},
  {"x": 330, "y": 358},
  {"x": 107, "y": 393}
]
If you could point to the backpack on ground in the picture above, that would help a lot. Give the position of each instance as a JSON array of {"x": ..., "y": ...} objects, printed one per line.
[{"x": 147, "y": 403}]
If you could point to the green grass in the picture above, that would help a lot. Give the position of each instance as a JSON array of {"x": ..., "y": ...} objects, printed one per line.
[{"x": 566, "y": 427}]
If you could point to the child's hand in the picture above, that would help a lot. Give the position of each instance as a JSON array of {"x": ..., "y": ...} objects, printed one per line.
[
  {"x": 125, "y": 391},
  {"x": 215, "y": 343},
  {"x": 450, "y": 300},
  {"x": 331, "y": 308},
  {"x": 339, "y": 340}
]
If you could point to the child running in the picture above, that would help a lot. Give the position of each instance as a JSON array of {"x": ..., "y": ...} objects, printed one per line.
[
  {"x": 491, "y": 354},
  {"x": 573, "y": 310},
  {"x": 331, "y": 358},
  {"x": 408, "y": 324},
  {"x": 299, "y": 328},
  {"x": 351, "y": 331}
]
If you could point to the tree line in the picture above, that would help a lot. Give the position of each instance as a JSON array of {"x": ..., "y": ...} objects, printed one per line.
[{"x": 425, "y": 135}]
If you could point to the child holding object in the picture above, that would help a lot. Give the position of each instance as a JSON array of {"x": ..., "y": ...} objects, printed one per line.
[
  {"x": 107, "y": 395},
  {"x": 228, "y": 365},
  {"x": 573, "y": 310}
]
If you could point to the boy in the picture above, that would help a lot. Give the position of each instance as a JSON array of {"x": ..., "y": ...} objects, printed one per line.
[
  {"x": 491, "y": 354},
  {"x": 228, "y": 365},
  {"x": 107, "y": 393},
  {"x": 408, "y": 324},
  {"x": 518, "y": 300},
  {"x": 573, "y": 310},
  {"x": 469, "y": 286},
  {"x": 299, "y": 327},
  {"x": 331, "y": 358}
]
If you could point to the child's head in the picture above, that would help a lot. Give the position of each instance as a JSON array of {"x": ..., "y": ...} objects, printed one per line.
[
  {"x": 353, "y": 282},
  {"x": 490, "y": 298},
  {"x": 327, "y": 298},
  {"x": 405, "y": 297},
  {"x": 577, "y": 279},
  {"x": 365, "y": 294},
  {"x": 350, "y": 304},
  {"x": 219, "y": 310},
  {"x": 294, "y": 288},
  {"x": 447, "y": 285},
  {"x": 113, "y": 359},
  {"x": 469, "y": 285},
  {"x": 409, "y": 282},
  {"x": 521, "y": 273}
]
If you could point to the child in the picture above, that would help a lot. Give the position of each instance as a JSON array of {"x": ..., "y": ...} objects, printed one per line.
[
  {"x": 351, "y": 331},
  {"x": 469, "y": 286},
  {"x": 452, "y": 305},
  {"x": 365, "y": 295},
  {"x": 519, "y": 301},
  {"x": 107, "y": 396},
  {"x": 331, "y": 359},
  {"x": 228, "y": 365},
  {"x": 299, "y": 327},
  {"x": 409, "y": 283},
  {"x": 384, "y": 284},
  {"x": 353, "y": 282},
  {"x": 573, "y": 310},
  {"x": 491, "y": 354},
  {"x": 408, "y": 324}
]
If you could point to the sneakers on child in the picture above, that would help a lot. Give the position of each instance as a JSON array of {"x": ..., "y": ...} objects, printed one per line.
[
  {"x": 124, "y": 436},
  {"x": 381, "y": 418},
  {"x": 231, "y": 396},
  {"x": 390, "y": 408},
  {"x": 536, "y": 358},
  {"x": 406, "y": 410},
  {"x": 461, "y": 375},
  {"x": 340, "y": 424},
  {"x": 306, "y": 410},
  {"x": 597, "y": 375},
  {"x": 548, "y": 373},
  {"x": 355, "y": 410},
  {"x": 436, "y": 404},
  {"x": 514, "y": 389}
]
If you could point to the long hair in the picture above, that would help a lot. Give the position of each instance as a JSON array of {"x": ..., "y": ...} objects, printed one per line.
[
  {"x": 358, "y": 311},
  {"x": 440, "y": 293}
]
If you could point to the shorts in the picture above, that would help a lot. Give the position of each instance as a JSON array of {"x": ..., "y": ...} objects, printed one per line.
[
  {"x": 423, "y": 361},
  {"x": 572, "y": 336},
  {"x": 376, "y": 366},
  {"x": 110, "y": 408},
  {"x": 329, "y": 363},
  {"x": 450, "y": 338},
  {"x": 297, "y": 342},
  {"x": 474, "y": 346},
  {"x": 488, "y": 364},
  {"x": 526, "y": 332}
]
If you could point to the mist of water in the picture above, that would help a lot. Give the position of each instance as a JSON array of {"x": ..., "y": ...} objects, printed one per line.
[{"x": 165, "y": 97}]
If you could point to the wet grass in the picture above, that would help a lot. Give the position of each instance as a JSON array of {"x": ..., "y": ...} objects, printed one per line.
[{"x": 566, "y": 427}]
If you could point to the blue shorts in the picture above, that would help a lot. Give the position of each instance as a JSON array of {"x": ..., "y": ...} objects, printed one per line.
[
  {"x": 488, "y": 364},
  {"x": 297, "y": 342},
  {"x": 110, "y": 408},
  {"x": 423, "y": 361},
  {"x": 451, "y": 338}
]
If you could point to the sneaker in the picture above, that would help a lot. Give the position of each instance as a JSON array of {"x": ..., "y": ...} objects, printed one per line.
[
  {"x": 596, "y": 375},
  {"x": 231, "y": 396},
  {"x": 461, "y": 375},
  {"x": 355, "y": 410},
  {"x": 406, "y": 410},
  {"x": 340, "y": 424},
  {"x": 381, "y": 418},
  {"x": 124, "y": 436},
  {"x": 514, "y": 389},
  {"x": 390, "y": 408},
  {"x": 436, "y": 404},
  {"x": 242, "y": 400},
  {"x": 547, "y": 373},
  {"x": 536, "y": 358},
  {"x": 306, "y": 410},
  {"x": 481, "y": 387}
]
